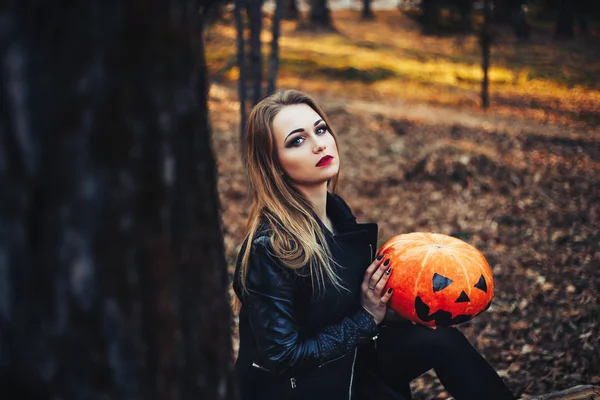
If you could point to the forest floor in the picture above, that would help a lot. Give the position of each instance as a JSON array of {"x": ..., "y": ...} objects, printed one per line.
[{"x": 520, "y": 181}]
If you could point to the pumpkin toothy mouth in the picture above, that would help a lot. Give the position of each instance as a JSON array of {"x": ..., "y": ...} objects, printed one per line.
[{"x": 441, "y": 317}]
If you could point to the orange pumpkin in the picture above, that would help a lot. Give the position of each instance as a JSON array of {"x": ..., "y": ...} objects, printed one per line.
[{"x": 438, "y": 280}]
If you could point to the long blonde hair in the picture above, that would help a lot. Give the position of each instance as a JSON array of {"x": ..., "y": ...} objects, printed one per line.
[{"x": 295, "y": 234}]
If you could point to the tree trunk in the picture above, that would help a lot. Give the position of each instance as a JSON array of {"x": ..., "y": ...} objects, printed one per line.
[
  {"x": 254, "y": 10},
  {"x": 485, "y": 50},
  {"x": 581, "y": 8},
  {"x": 290, "y": 10},
  {"x": 501, "y": 11},
  {"x": 274, "y": 56},
  {"x": 319, "y": 15},
  {"x": 367, "y": 12},
  {"x": 464, "y": 8},
  {"x": 519, "y": 21},
  {"x": 241, "y": 56},
  {"x": 564, "y": 20},
  {"x": 429, "y": 16},
  {"x": 113, "y": 282}
]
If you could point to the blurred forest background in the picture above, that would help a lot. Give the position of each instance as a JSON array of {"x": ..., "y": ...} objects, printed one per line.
[{"x": 477, "y": 119}]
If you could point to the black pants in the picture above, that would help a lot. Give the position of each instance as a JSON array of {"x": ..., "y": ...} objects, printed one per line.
[{"x": 406, "y": 351}]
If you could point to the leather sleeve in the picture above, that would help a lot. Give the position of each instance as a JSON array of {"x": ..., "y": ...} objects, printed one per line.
[{"x": 269, "y": 303}]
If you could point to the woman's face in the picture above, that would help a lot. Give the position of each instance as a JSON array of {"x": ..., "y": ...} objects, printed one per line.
[{"x": 307, "y": 150}]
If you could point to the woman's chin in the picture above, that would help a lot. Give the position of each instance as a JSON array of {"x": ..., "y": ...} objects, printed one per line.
[
  {"x": 329, "y": 176},
  {"x": 313, "y": 183},
  {"x": 332, "y": 170}
]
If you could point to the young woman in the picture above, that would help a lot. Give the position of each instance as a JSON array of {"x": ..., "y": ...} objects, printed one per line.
[{"x": 312, "y": 300}]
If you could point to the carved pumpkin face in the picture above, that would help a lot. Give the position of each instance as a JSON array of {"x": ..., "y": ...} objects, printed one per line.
[{"x": 438, "y": 280}]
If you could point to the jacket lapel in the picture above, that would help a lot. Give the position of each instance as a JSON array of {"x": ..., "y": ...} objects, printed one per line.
[{"x": 346, "y": 226}]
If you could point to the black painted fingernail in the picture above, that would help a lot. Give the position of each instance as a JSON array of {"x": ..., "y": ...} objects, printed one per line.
[
  {"x": 388, "y": 271},
  {"x": 386, "y": 262},
  {"x": 380, "y": 257},
  {"x": 390, "y": 290}
]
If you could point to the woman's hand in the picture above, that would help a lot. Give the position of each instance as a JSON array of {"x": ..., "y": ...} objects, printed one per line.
[{"x": 373, "y": 299}]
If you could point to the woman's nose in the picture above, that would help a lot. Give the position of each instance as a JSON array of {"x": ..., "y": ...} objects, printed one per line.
[{"x": 319, "y": 147}]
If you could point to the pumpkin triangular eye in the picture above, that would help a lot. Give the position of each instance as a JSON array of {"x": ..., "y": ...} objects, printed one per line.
[
  {"x": 481, "y": 285},
  {"x": 463, "y": 298},
  {"x": 440, "y": 282}
]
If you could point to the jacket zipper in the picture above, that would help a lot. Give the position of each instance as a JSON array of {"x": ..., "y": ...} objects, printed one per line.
[
  {"x": 292, "y": 380},
  {"x": 352, "y": 375},
  {"x": 376, "y": 336},
  {"x": 255, "y": 365},
  {"x": 335, "y": 359}
]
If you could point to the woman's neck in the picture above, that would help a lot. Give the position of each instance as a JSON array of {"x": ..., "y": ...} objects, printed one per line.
[{"x": 317, "y": 196}]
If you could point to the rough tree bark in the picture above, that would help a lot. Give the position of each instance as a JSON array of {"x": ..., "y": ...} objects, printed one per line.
[{"x": 113, "y": 281}]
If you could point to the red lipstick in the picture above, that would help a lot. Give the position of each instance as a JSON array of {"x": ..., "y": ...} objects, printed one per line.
[{"x": 326, "y": 160}]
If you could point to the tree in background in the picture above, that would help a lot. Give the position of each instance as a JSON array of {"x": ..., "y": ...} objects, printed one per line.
[
  {"x": 254, "y": 65},
  {"x": 581, "y": 8},
  {"x": 240, "y": 5},
  {"x": 564, "y": 18},
  {"x": 255, "y": 14},
  {"x": 512, "y": 12},
  {"x": 291, "y": 11},
  {"x": 464, "y": 9},
  {"x": 113, "y": 281},
  {"x": 570, "y": 11},
  {"x": 485, "y": 40},
  {"x": 319, "y": 15},
  {"x": 428, "y": 16},
  {"x": 518, "y": 19},
  {"x": 274, "y": 54},
  {"x": 431, "y": 19},
  {"x": 367, "y": 11}
]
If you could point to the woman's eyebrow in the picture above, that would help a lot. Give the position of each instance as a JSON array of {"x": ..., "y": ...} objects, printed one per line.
[{"x": 302, "y": 129}]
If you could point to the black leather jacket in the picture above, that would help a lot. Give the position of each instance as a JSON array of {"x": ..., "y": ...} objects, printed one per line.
[{"x": 295, "y": 343}]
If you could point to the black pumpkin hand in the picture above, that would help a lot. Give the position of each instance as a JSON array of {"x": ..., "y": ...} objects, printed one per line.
[{"x": 373, "y": 298}]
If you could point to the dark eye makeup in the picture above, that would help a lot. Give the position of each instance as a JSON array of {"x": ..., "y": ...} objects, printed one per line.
[
  {"x": 321, "y": 127},
  {"x": 298, "y": 140},
  {"x": 295, "y": 142}
]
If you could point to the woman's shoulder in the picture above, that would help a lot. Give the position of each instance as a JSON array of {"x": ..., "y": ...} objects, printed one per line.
[
  {"x": 263, "y": 233},
  {"x": 260, "y": 240},
  {"x": 264, "y": 265}
]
